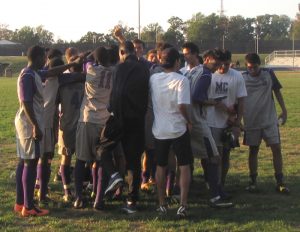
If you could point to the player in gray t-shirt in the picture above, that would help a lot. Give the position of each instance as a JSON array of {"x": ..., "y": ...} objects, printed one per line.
[{"x": 260, "y": 118}]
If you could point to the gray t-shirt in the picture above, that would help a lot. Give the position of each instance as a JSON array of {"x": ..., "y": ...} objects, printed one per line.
[{"x": 259, "y": 107}]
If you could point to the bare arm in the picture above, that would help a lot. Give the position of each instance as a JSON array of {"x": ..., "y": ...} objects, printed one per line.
[
  {"x": 61, "y": 68},
  {"x": 183, "y": 111},
  {"x": 280, "y": 100},
  {"x": 28, "y": 109},
  {"x": 119, "y": 35}
]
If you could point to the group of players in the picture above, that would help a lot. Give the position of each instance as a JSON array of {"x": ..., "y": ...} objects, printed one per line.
[{"x": 170, "y": 113}]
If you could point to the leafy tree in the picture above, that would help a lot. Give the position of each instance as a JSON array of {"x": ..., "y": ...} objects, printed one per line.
[
  {"x": 45, "y": 36},
  {"x": 240, "y": 29},
  {"x": 92, "y": 37},
  {"x": 175, "y": 33},
  {"x": 5, "y": 33},
  {"x": 152, "y": 33},
  {"x": 26, "y": 36}
]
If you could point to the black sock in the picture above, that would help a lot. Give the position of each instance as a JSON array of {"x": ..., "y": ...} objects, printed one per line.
[
  {"x": 213, "y": 179},
  {"x": 79, "y": 177},
  {"x": 279, "y": 178},
  {"x": 19, "y": 184}
]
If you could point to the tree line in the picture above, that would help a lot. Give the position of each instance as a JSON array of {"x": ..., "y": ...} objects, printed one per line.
[{"x": 201, "y": 29}]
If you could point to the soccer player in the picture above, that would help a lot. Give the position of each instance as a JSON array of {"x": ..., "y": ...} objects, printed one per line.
[
  {"x": 227, "y": 113},
  {"x": 29, "y": 123},
  {"x": 203, "y": 144},
  {"x": 129, "y": 100},
  {"x": 260, "y": 118},
  {"x": 93, "y": 115},
  {"x": 170, "y": 93}
]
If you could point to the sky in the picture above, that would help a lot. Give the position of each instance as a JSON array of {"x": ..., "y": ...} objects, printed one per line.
[{"x": 72, "y": 19}]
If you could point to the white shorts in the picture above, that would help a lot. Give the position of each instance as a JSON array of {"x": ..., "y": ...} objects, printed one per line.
[{"x": 270, "y": 135}]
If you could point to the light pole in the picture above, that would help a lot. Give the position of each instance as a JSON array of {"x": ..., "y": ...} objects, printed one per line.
[{"x": 139, "y": 18}]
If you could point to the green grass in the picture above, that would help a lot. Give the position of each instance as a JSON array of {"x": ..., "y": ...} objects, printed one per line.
[
  {"x": 16, "y": 63},
  {"x": 265, "y": 211}
]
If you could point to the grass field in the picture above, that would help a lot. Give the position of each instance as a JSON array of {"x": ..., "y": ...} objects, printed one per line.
[{"x": 264, "y": 211}]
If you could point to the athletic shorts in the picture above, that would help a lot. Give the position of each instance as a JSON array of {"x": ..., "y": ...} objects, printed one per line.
[
  {"x": 49, "y": 142},
  {"x": 217, "y": 135},
  {"x": 181, "y": 147},
  {"x": 87, "y": 139},
  {"x": 270, "y": 135},
  {"x": 28, "y": 148},
  {"x": 202, "y": 142}
]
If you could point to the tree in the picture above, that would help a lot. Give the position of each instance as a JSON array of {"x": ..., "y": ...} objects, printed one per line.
[
  {"x": 152, "y": 33},
  {"x": 92, "y": 37},
  {"x": 240, "y": 29},
  {"x": 45, "y": 36},
  {"x": 5, "y": 33},
  {"x": 175, "y": 33},
  {"x": 26, "y": 36}
]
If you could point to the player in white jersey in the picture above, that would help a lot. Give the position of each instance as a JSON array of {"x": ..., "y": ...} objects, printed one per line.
[
  {"x": 93, "y": 115},
  {"x": 225, "y": 117},
  {"x": 170, "y": 95},
  {"x": 260, "y": 118}
]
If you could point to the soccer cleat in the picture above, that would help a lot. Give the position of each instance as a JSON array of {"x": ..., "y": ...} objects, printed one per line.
[
  {"x": 114, "y": 183},
  {"x": 34, "y": 212},
  {"x": 130, "y": 207},
  {"x": 99, "y": 206},
  {"x": 219, "y": 203},
  {"x": 162, "y": 210},
  {"x": 182, "y": 212},
  {"x": 281, "y": 188},
  {"x": 78, "y": 204},
  {"x": 93, "y": 195},
  {"x": 18, "y": 208}
]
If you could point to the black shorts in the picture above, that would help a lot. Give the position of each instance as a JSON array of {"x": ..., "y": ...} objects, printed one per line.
[{"x": 181, "y": 146}]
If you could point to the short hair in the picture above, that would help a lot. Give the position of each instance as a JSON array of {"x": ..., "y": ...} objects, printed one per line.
[
  {"x": 113, "y": 53},
  {"x": 192, "y": 46},
  {"x": 76, "y": 67},
  {"x": 127, "y": 46},
  {"x": 34, "y": 52},
  {"x": 56, "y": 61},
  {"x": 253, "y": 58},
  {"x": 161, "y": 46},
  {"x": 168, "y": 57},
  {"x": 54, "y": 52},
  {"x": 151, "y": 51},
  {"x": 101, "y": 55},
  {"x": 138, "y": 41},
  {"x": 71, "y": 51},
  {"x": 227, "y": 55},
  {"x": 215, "y": 53}
]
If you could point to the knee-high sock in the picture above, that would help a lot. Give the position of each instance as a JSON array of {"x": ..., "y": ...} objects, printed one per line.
[
  {"x": 28, "y": 180},
  {"x": 100, "y": 189},
  {"x": 65, "y": 171},
  {"x": 43, "y": 173},
  {"x": 213, "y": 179},
  {"x": 19, "y": 184},
  {"x": 79, "y": 177}
]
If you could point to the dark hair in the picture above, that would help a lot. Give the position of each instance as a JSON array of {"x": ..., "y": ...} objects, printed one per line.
[
  {"x": 216, "y": 53},
  {"x": 200, "y": 59},
  {"x": 138, "y": 41},
  {"x": 253, "y": 58},
  {"x": 101, "y": 56},
  {"x": 127, "y": 46},
  {"x": 192, "y": 46},
  {"x": 161, "y": 46},
  {"x": 35, "y": 52},
  {"x": 113, "y": 53},
  {"x": 151, "y": 51},
  {"x": 56, "y": 61},
  {"x": 168, "y": 57},
  {"x": 76, "y": 67},
  {"x": 53, "y": 52},
  {"x": 227, "y": 55}
]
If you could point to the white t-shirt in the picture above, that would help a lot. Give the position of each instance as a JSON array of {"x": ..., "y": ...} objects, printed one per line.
[
  {"x": 168, "y": 90},
  {"x": 230, "y": 84}
]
